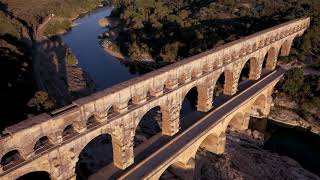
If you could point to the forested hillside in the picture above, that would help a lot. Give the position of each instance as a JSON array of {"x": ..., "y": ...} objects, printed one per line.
[{"x": 185, "y": 28}]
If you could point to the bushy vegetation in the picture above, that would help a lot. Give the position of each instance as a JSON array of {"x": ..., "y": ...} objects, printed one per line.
[
  {"x": 294, "y": 84},
  {"x": 173, "y": 30},
  {"x": 56, "y": 26},
  {"x": 70, "y": 58},
  {"x": 40, "y": 102},
  {"x": 32, "y": 12},
  {"x": 305, "y": 90}
]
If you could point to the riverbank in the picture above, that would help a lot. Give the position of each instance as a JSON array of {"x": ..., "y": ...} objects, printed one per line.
[
  {"x": 64, "y": 80},
  {"x": 284, "y": 111}
]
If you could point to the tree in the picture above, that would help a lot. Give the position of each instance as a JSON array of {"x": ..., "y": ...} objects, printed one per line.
[
  {"x": 293, "y": 82},
  {"x": 170, "y": 52},
  {"x": 41, "y": 101}
]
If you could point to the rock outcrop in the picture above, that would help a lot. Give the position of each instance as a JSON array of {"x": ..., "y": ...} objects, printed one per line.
[{"x": 245, "y": 158}]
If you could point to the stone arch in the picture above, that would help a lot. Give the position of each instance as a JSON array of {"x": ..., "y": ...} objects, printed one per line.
[
  {"x": 130, "y": 104},
  {"x": 214, "y": 143},
  {"x": 259, "y": 105},
  {"x": 68, "y": 132},
  {"x": 239, "y": 121},
  {"x": 271, "y": 59},
  {"x": 218, "y": 84},
  {"x": 140, "y": 114},
  {"x": 98, "y": 152},
  {"x": 11, "y": 159},
  {"x": 189, "y": 103},
  {"x": 42, "y": 144},
  {"x": 287, "y": 44},
  {"x": 92, "y": 121},
  {"x": 43, "y": 175},
  {"x": 250, "y": 69},
  {"x": 147, "y": 125},
  {"x": 179, "y": 170},
  {"x": 111, "y": 111},
  {"x": 149, "y": 95}
]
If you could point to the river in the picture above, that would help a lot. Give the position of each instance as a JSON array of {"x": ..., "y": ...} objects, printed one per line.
[
  {"x": 106, "y": 71},
  {"x": 83, "y": 39},
  {"x": 296, "y": 143}
]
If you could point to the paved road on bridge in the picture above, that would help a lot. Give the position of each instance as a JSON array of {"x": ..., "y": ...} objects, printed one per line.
[{"x": 172, "y": 148}]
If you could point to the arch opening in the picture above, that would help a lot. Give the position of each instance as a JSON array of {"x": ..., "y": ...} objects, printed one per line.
[
  {"x": 11, "y": 159},
  {"x": 189, "y": 108},
  {"x": 236, "y": 122},
  {"x": 149, "y": 96},
  {"x": 264, "y": 64},
  {"x": 95, "y": 155},
  {"x": 42, "y": 144},
  {"x": 41, "y": 175},
  {"x": 149, "y": 126},
  {"x": 218, "y": 91},
  {"x": 258, "y": 105},
  {"x": 245, "y": 71},
  {"x": 179, "y": 170},
  {"x": 91, "y": 122},
  {"x": 130, "y": 104},
  {"x": 286, "y": 48},
  {"x": 68, "y": 132},
  {"x": 169, "y": 174},
  {"x": 112, "y": 112}
]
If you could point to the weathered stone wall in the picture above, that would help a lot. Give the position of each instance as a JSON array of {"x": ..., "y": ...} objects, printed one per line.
[{"x": 165, "y": 87}]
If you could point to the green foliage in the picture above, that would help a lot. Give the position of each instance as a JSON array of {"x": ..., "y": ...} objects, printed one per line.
[
  {"x": 293, "y": 82},
  {"x": 41, "y": 101},
  {"x": 70, "y": 58},
  {"x": 201, "y": 25},
  {"x": 170, "y": 52},
  {"x": 33, "y": 12},
  {"x": 56, "y": 26}
]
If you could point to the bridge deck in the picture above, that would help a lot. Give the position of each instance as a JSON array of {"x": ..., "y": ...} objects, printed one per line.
[{"x": 182, "y": 140}]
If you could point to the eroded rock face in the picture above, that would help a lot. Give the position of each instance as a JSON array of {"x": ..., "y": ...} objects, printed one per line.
[
  {"x": 290, "y": 117},
  {"x": 245, "y": 158}
]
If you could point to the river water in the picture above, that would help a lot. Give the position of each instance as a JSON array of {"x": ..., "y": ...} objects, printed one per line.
[
  {"x": 83, "y": 40},
  {"x": 296, "y": 143},
  {"x": 106, "y": 71}
]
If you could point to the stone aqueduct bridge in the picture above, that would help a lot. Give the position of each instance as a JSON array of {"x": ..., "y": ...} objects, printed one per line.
[{"x": 118, "y": 110}]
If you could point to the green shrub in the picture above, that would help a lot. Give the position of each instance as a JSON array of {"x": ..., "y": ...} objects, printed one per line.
[
  {"x": 71, "y": 59},
  {"x": 55, "y": 26},
  {"x": 41, "y": 101}
]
